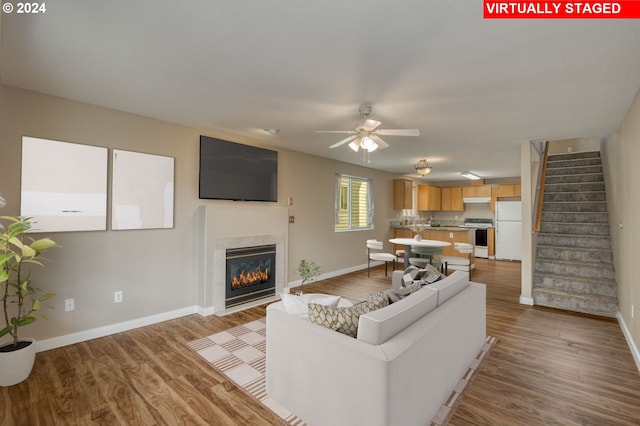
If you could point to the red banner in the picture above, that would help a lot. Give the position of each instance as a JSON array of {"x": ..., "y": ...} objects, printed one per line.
[{"x": 629, "y": 9}]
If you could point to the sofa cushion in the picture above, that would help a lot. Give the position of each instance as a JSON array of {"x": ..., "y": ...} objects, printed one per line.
[
  {"x": 298, "y": 305},
  {"x": 344, "y": 320},
  {"x": 448, "y": 287},
  {"x": 379, "y": 326}
]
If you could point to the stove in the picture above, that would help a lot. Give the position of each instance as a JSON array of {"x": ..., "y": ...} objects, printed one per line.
[
  {"x": 482, "y": 241},
  {"x": 478, "y": 223}
]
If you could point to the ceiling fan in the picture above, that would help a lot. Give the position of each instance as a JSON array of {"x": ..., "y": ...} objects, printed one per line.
[{"x": 367, "y": 135}]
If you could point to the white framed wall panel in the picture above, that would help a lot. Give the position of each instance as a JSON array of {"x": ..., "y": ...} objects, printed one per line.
[
  {"x": 63, "y": 185},
  {"x": 142, "y": 191}
]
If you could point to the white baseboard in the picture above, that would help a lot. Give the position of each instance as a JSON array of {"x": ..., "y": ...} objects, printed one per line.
[
  {"x": 526, "y": 300},
  {"x": 81, "y": 336},
  {"x": 627, "y": 335},
  {"x": 337, "y": 273}
]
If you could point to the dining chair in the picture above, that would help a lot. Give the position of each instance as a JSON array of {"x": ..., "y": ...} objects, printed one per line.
[{"x": 378, "y": 256}]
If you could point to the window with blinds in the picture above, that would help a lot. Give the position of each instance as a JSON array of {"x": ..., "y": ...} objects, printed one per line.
[{"x": 354, "y": 203}]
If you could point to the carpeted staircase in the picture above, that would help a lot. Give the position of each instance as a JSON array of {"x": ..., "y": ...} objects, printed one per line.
[{"x": 574, "y": 262}]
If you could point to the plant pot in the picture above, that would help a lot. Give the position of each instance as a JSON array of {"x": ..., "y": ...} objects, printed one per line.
[{"x": 15, "y": 366}]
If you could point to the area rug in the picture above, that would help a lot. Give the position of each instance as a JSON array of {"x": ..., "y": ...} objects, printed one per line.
[{"x": 240, "y": 354}]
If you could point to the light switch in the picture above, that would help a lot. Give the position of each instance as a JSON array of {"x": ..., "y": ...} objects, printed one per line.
[{"x": 292, "y": 219}]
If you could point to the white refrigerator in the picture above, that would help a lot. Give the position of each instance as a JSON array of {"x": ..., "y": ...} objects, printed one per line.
[{"x": 508, "y": 230}]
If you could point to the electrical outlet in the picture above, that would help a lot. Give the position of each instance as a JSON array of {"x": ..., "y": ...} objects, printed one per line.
[
  {"x": 450, "y": 234},
  {"x": 117, "y": 297},
  {"x": 69, "y": 305}
]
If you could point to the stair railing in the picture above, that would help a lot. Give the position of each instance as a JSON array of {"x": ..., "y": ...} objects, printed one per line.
[{"x": 542, "y": 175}]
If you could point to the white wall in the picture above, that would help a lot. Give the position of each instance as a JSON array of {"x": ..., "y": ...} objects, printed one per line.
[
  {"x": 621, "y": 154},
  {"x": 157, "y": 269}
]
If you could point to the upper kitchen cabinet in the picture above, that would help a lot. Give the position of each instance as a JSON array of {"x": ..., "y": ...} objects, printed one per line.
[
  {"x": 509, "y": 190},
  {"x": 452, "y": 198},
  {"x": 504, "y": 190},
  {"x": 476, "y": 191},
  {"x": 402, "y": 194},
  {"x": 429, "y": 198}
]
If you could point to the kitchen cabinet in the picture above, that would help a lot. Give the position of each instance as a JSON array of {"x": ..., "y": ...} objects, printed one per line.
[
  {"x": 509, "y": 190},
  {"x": 402, "y": 194},
  {"x": 429, "y": 198},
  {"x": 504, "y": 190},
  {"x": 491, "y": 242},
  {"x": 452, "y": 198},
  {"x": 476, "y": 191},
  {"x": 458, "y": 236}
]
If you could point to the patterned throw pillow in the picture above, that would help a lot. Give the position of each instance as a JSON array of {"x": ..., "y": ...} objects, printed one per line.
[
  {"x": 396, "y": 294},
  {"x": 344, "y": 320}
]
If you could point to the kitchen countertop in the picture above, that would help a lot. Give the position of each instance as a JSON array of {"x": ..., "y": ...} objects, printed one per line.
[{"x": 434, "y": 228}]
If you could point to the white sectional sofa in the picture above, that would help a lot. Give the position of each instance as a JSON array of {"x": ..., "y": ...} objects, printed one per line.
[{"x": 404, "y": 363}]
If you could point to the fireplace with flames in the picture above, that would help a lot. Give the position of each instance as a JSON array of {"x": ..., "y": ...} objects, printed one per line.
[{"x": 250, "y": 274}]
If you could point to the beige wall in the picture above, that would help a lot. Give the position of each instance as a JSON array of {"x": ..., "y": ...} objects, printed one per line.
[
  {"x": 621, "y": 153},
  {"x": 157, "y": 269},
  {"x": 573, "y": 145}
]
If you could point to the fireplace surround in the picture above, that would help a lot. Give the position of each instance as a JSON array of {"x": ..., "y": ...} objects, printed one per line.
[{"x": 226, "y": 227}]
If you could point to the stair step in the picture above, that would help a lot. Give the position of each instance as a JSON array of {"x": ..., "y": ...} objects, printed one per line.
[
  {"x": 576, "y": 217},
  {"x": 576, "y": 162},
  {"x": 602, "y": 287},
  {"x": 557, "y": 171},
  {"x": 575, "y": 228},
  {"x": 574, "y": 187},
  {"x": 580, "y": 241},
  {"x": 574, "y": 206},
  {"x": 575, "y": 178},
  {"x": 574, "y": 268},
  {"x": 572, "y": 301},
  {"x": 573, "y": 155},
  {"x": 575, "y": 254},
  {"x": 575, "y": 196}
]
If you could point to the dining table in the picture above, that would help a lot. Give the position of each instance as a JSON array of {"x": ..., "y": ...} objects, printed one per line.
[{"x": 408, "y": 242}]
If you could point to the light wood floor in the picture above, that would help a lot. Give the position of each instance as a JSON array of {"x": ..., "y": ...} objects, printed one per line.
[{"x": 548, "y": 367}]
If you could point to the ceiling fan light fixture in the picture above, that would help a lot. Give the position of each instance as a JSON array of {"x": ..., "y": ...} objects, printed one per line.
[
  {"x": 470, "y": 175},
  {"x": 354, "y": 146},
  {"x": 367, "y": 143},
  {"x": 422, "y": 167}
]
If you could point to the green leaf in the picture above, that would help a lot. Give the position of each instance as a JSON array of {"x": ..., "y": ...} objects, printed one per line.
[
  {"x": 43, "y": 244},
  {"x": 5, "y": 331},
  {"x": 26, "y": 321},
  {"x": 36, "y": 305},
  {"x": 5, "y": 257},
  {"x": 3, "y": 275},
  {"x": 46, "y": 296}
]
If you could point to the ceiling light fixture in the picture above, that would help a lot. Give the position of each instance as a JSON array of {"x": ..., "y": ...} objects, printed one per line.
[
  {"x": 470, "y": 175},
  {"x": 365, "y": 143},
  {"x": 422, "y": 167},
  {"x": 272, "y": 131}
]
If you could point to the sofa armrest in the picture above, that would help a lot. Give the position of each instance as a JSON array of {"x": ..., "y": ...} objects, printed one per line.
[{"x": 308, "y": 365}]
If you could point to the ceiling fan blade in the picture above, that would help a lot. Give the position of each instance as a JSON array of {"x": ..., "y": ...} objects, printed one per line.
[
  {"x": 370, "y": 125},
  {"x": 343, "y": 141},
  {"x": 398, "y": 132},
  {"x": 381, "y": 143},
  {"x": 337, "y": 131}
]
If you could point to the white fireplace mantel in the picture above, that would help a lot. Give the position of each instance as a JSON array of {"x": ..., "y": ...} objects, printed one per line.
[{"x": 225, "y": 227}]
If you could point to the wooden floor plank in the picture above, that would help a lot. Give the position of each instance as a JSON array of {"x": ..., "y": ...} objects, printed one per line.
[{"x": 548, "y": 367}]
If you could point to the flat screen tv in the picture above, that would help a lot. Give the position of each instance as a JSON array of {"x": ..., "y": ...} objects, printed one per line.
[{"x": 233, "y": 171}]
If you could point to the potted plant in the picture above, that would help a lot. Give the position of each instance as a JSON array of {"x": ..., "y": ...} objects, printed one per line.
[
  {"x": 308, "y": 271},
  {"x": 21, "y": 301}
]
